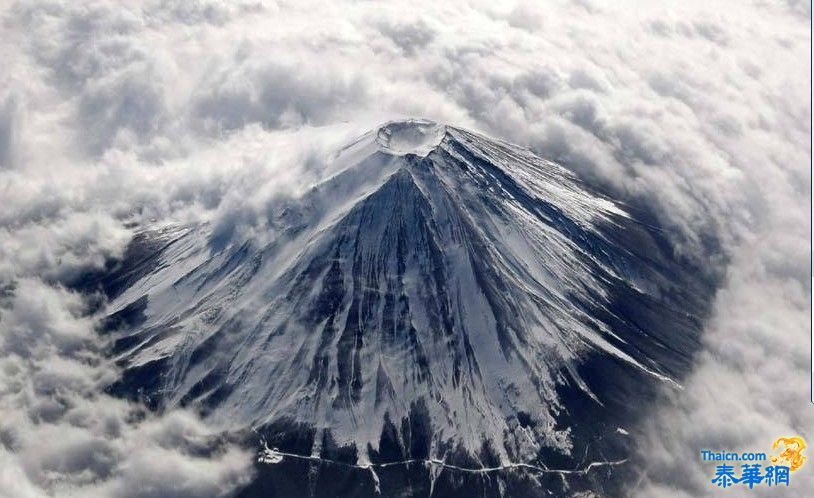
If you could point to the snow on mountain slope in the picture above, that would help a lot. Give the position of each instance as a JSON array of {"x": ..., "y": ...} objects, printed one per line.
[{"x": 460, "y": 285}]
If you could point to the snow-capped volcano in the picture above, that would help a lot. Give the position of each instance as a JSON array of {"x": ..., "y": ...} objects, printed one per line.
[{"x": 440, "y": 293}]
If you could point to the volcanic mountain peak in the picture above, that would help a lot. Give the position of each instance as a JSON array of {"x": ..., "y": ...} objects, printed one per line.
[{"x": 461, "y": 287}]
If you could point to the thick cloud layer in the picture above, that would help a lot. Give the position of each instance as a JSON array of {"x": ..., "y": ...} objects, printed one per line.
[{"x": 120, "y": 112}]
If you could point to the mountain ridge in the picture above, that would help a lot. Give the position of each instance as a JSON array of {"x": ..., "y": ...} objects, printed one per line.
[{"x": 476, "y": 293}]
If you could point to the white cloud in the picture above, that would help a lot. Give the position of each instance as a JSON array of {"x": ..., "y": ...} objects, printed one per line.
[
  {"x": 60, "y": 434},
  {"x": 112, "y": 112}
]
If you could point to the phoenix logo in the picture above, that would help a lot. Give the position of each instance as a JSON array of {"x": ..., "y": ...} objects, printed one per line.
[{"x": 790, "y": 452}]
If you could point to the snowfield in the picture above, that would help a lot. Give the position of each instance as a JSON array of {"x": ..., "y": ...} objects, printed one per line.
[{"x": 460, "y": 288}]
